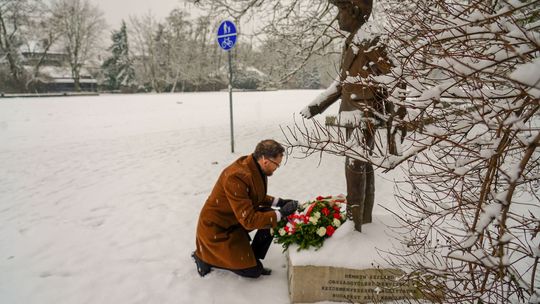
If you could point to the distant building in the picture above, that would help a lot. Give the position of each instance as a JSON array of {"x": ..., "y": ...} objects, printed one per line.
[
  {"x": 58, "y": 79},
  {"x": 54, "y": 74}
]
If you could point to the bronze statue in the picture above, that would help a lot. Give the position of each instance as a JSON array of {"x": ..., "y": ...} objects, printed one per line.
[{"x": 359, "y": 59}]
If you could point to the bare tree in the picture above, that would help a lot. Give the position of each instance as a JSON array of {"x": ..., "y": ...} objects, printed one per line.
[
  {"x": 40, "y": 36},
  {"x": 179, "y": 29},
  {"x": 16, "y": 16},
  {"x": 81, "y": 25},
  {"x": 143, "y": 30},
  {"x": 179, "y": 51},
  {"x": 299, "y": 29}
]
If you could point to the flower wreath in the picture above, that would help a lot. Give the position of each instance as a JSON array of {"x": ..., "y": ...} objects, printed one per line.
[{"x": 312, "y": 223}]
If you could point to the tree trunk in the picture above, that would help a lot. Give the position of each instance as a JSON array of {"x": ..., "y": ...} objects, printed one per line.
[
  {"x": 13, "y": 67},
  {"x": 75, "y": 73},
  {"x": 43, "y": 55},
  {"x": 175, "y": 80},
  {"x": 77, "y": 85}
]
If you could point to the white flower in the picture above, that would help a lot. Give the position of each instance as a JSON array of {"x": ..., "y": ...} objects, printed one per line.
[
  {"x": 282, "y": 232},
  {"x": 313, "y": 220},
  {"x": 291, "y": 228},
  {"x": 336, "y": 223},
  {"x": 317, "y": 215},
  {"x": 321, "y": 231}
]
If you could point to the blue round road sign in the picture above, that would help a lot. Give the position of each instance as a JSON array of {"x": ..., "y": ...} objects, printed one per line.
[{"x": 226, "y": 35}]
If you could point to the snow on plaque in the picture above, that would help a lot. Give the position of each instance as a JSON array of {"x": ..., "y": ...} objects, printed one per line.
[{"x": 350, "y": 267}]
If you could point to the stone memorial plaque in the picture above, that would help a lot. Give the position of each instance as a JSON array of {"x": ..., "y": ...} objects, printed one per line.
[{"x": 308, "y": 284}]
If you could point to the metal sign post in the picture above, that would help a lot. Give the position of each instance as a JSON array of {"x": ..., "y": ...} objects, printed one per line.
[{"x": 226, "y": 37}]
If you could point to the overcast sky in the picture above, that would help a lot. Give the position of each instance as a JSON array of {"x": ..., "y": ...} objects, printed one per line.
[{"x": 116, "y": 10}]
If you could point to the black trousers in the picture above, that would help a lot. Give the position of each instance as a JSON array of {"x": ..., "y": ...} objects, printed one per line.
[{"x": 260, "y": 244}]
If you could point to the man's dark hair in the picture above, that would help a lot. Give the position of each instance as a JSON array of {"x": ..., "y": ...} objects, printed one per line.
[{"x": 268, "y": 148}]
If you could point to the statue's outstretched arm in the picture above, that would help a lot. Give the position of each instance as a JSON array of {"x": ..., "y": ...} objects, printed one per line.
[{"x": 323, "y": 101}]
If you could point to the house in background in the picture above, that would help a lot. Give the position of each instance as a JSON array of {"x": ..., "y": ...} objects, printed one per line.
[
  {"x": 58, "y": 79},
  {"x": 54, "y": 73}
]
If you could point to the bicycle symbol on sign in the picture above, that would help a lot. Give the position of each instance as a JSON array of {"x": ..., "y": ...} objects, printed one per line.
[{"x": 227, "y": 43}]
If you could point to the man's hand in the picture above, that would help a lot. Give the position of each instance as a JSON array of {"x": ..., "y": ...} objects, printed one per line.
[
  {"x": 282, "y": 201},
  {"x": 289, "y": 208},
  {"x": 310, "y": 111}
]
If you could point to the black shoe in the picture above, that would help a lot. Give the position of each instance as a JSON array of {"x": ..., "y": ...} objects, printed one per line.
[
  {"x": 266, "y": 271},
  {"x": 202, "y": 267}
]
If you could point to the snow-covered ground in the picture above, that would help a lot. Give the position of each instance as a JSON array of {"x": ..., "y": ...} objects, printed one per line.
[{"x": 99, "y": 196}]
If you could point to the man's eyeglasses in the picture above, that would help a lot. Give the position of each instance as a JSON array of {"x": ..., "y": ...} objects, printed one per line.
[{"x": 273, "y": 162}]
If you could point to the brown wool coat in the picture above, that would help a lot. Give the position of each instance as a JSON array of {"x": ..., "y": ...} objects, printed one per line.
[{"x": 232, "y": 209}]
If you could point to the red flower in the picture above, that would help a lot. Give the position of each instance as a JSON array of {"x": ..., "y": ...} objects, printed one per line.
[
  {"x": 325, "y": 211},
  {"x": 289, "y": 229},
  {"x": 320, "y": 198},
  {"x": 330, "y": 230},
  {"x": 336, "y": 208},
  {"x": 337, "y": 215}
]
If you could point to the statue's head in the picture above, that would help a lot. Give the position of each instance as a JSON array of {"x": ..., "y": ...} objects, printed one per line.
[{"x": 352, "y": 13}]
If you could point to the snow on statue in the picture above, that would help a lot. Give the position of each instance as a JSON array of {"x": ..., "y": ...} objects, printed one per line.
[{"x": 362, "y": 98}]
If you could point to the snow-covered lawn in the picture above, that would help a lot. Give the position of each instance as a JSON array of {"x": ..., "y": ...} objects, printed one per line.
[{"x": 99, "y": 196}]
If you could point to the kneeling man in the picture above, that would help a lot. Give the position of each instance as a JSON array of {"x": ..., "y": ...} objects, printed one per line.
[{"x": 237, "y": 205}]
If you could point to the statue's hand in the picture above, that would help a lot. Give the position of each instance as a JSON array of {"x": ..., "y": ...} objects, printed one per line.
[{"x": 309, "y": 111}]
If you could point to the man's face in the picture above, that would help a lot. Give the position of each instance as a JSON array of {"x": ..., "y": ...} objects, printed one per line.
[
  {"x": 269, "y": 165},
  {"x": 346, "y": 19}
]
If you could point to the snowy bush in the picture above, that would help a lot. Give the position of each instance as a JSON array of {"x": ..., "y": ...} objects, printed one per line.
[
  {"x": 248, "y": 79},
  {"x": 471, "y": 215}
]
